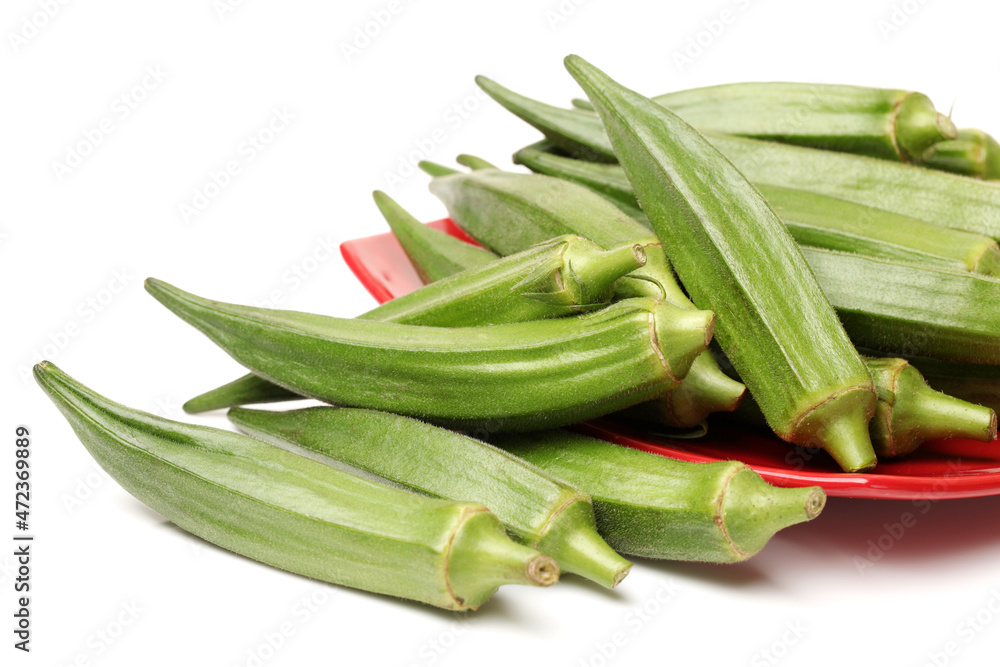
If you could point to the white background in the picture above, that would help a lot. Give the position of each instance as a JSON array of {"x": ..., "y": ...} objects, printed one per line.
[{"x": 105, "y": 566}]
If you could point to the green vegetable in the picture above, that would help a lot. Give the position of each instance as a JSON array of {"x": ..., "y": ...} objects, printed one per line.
[
  {"x": 890, "y": 124},
  {"x": 512, "y": 376},
  {"x": 944, "y": 199},
  {"x": 296, "y": 514},
  {"x": 554, "y": 278},
  {"x": 508, "y": 212},
  {"x": 656, "y": 507},
  {"x": 539, "y": 510},
  {"x": 910, "y": 412},
  {"x": 812, "y": 219},
  {"x": 974, "y": 153},
  {"x": 734, "y": 255},
  {"x": 902, "y": 309},
  {"x": 430, "y": 266}
]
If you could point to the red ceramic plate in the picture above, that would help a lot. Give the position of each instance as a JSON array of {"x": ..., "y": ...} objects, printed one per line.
[{"x": 940, "y": 469}]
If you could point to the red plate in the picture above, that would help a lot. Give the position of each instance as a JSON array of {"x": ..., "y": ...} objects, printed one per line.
[{"x": 940, "y": 469}]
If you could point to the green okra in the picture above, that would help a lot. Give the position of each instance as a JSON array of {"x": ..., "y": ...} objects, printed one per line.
[
  {"x": 656, "y": 507},
  {"x": 910, "y": 412},
  {"x": 733, "y": 254},
  {"x": 429, "y": 265},
  {"x": 539, "y": 510},
  {"x": 890, "y": 124},
  {"x": 973, "y": 153},
  {"x": 812, "y": 219},
  {"x": 933, "y": 196},
  {"x": 902, "y": 309},
  {"x": 502, "y": 377},
  {"x": 298, "y": 514},
  {"x": 554, "y": 278},
  {"x": 507, "y": 212}
]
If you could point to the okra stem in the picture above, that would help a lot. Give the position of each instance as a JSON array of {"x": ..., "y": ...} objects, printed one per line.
[
  {"x": 912, "y": 412},
  {"x": 756, "y": 510}
]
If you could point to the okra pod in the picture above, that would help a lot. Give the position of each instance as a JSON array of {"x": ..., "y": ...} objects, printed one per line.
[
  {"x": 973, "y": 153},
  {"x": 933, "y": 196},
  {"x": 879, "y": 122},
  {"x": 733, "y": 253},
  {"x": 656, "y": 507},
  {"x": 812, "y": 219},
  {"x": 557, "y": 277},
  {"x": 297, "y": 514},
  {"x": 906, "y": 310},
  {"x": 539, "y": 510},
  {"x": 503, "y": 377},
  {"x": 507, "y": 212}
]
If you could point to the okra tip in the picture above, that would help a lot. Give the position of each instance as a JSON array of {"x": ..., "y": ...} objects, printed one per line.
[{"x": 436, "y": 170}]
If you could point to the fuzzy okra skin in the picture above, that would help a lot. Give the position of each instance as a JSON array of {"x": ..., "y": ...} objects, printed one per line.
[
  {"x": 910, "y": 412},
  {"x": 557, "y": 277},
  {"x": 812, "y": 219},
  {"x": 890, "y": 124},
  {"x": 906, "y": 310},
  {"x": 733, "y": 254},
  {"x": 973, "y": 153},
  {"x": 429, "y": 265},
  {"x": 539, "y": 510},
  {"x": 297, "y": 514},
  {"x": 507, "y": 212},
  {"x": 656, "y": 507},
  {"x": 503, "y": 377},
  {"x": 949, "y": 200}
]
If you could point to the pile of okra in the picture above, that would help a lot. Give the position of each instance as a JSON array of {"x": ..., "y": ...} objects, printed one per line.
[{"x": 819, "y": 260}]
